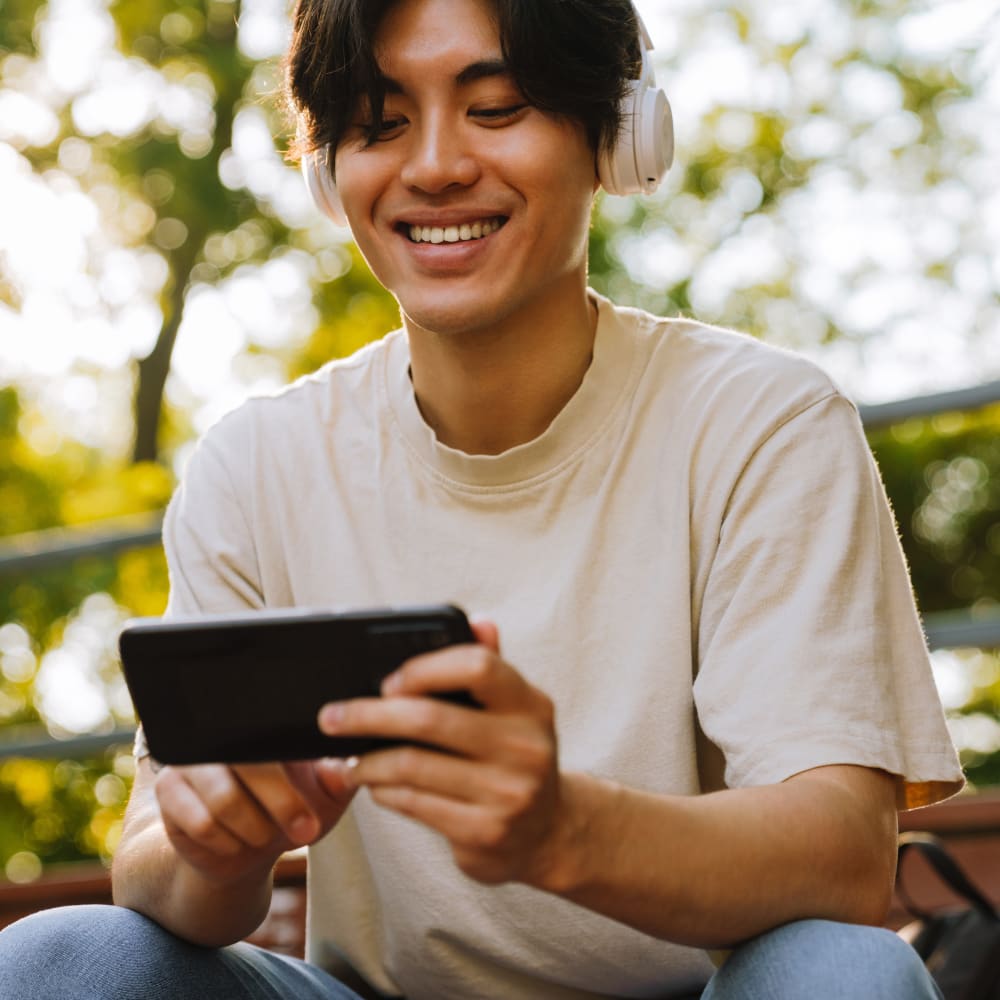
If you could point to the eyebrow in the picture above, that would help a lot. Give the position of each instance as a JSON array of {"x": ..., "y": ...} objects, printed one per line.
[{"x": 482, "y": 70}]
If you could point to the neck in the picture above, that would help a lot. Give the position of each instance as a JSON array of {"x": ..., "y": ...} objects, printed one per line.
[{"x": 491, "y": 389}]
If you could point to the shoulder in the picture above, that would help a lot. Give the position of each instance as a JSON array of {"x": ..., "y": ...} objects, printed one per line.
[
  {"x": 315, "y": 404},
  {"x": 704, "y": 375}
]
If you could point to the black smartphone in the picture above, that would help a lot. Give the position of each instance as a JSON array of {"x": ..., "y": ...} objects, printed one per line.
[{"x": 248, "y": 687}]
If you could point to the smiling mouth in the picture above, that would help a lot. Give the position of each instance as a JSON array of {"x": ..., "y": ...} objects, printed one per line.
[{"x": 454, "y": 234}]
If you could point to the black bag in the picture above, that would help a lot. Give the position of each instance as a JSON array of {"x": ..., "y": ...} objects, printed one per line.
[{"x": 961, "y": 948}]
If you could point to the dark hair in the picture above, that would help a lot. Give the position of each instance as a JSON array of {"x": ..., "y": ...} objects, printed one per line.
[{"x": 568, "y": 57}]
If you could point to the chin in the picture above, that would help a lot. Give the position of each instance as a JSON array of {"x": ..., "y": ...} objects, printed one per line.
[{"x": 451, "y": 318}]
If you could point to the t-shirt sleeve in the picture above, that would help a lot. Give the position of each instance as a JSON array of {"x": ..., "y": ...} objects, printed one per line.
[
  {"x": 207, "y": 536},
  {"x": 810, "y": 648}
]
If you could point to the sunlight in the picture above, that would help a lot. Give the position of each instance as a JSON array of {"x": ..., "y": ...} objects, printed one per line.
[{"x": 864, "y": 232}]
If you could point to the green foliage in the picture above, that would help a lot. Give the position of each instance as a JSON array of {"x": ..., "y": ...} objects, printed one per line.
[
  {"x": 943, "y": 476},
  {"x": 977, "y": 727},
  {"x": 26, "y": 501},
  {"x": 354, "y": 309},
  {"x": 17, "y": 19},
  {"x": 59, "y": 811},
  {"x": 53, "y": 811}
]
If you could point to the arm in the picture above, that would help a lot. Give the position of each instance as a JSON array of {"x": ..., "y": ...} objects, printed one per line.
[
  {"x": 199, "y": 843},
  {"x": 713, "y": 870},
  {"x": 707, "y": 871}
]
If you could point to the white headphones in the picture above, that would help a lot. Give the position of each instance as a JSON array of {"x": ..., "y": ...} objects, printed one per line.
[{"x": 636, "y": 164}]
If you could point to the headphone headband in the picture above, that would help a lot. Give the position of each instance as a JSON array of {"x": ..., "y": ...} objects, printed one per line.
[{"x": 636, "y": 163}]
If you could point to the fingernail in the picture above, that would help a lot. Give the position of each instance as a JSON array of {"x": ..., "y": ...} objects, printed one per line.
[
  {"x": 391, "y": 683},
  {"x": 304, "y": 828},
  {"x": 335, "y": 765},
  {"x": 330, "y": 718},
  {"x": 350, "y": 766}
]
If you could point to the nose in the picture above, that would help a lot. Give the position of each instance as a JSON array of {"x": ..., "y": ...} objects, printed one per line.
[{"x": 439, "y": 157}]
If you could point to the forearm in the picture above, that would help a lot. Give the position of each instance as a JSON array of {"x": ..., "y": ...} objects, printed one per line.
[
  {"x": 149, "y": 876},
  {"x": 714, "y": 870},
  {"x": 200, "y": 843}
]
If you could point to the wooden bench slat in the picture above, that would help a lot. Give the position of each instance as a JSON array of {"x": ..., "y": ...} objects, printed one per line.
[{"x": 969, "y": 825}]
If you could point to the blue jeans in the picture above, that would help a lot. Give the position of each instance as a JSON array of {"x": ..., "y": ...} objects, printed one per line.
[
  {"x": 822, "y": 960},
  {"x": 109, "y": 953}
]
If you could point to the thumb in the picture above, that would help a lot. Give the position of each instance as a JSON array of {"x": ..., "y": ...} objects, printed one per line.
[
  {"x": 487, "y": 634},
  {"x": 332, "y": 777}
]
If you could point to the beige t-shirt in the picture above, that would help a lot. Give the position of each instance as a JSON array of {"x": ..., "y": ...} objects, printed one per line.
[{"x": 700, "y": 537}]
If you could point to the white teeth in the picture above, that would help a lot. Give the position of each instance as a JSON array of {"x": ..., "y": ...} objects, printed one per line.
[{"x": 454, "y": 234}]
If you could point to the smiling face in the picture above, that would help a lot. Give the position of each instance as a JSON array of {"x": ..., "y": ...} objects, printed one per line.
[{"x": 472, "y": 207}]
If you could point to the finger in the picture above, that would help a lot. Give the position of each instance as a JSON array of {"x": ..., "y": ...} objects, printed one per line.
[
  {"x": 492, "y": 681},
  {"x": 332, "y": 777},
  {"x": 510, "y": 795},
  {"x": 232, "y": 803},
  {"x": 304, "y": 775},
  {"x": 284, "y": 804},
  {"x": 488, "y": 634},
  {"x": 519, "y": 741},
  {"x": 419, "y": 720},
  {"x": 425, "y": 770},
  {"x": 183, "y": 811},
  {"x": 475, "y": 835},
  {"x": 453, "y": 819},
  {"x": 466, "y": 731}
]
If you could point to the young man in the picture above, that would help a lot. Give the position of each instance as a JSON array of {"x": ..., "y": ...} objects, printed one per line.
[{"x": 704, "y": 686}]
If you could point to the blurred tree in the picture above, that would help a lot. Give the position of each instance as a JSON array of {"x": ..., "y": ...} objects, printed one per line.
[
  {"x": 57, "y": 634},
  {"x": 195, "y": 45},
  {"x": 943, "y": 476}
]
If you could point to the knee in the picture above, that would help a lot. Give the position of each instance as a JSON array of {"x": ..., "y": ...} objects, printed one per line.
[
  {"x": 873, "y": 961},
  {"x": 69, "y": 951},
  {"x": 826, "y": 961},
  {"x": 49, "y": 930},
  {"x": 894, "y": 967},
  {"x": 61, "y": 931}
]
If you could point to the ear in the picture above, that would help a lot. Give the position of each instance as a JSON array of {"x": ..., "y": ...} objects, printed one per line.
[{"x": 317, "y": 169}]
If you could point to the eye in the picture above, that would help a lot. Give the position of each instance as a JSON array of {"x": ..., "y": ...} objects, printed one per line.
[
  {"x": 390, "y": 125},
  {"x": 498, "y": 116},
  {"x": 388, "y": 128},
  {"x": 381, "y": 131}
]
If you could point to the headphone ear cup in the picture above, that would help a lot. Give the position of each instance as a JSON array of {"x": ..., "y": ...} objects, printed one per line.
[
  {"x": 653, "y": 137},
  {"x": 644, "y": 149},
  {"x": 318, "y": 173}
]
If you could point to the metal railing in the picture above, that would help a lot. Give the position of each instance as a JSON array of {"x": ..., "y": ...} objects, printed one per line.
[
  {"x": 878, "y": 415},
  {"x": 29, "y": 553},
  {"x": 40, "y": 550},
  {"x": 40, "y": 745}
]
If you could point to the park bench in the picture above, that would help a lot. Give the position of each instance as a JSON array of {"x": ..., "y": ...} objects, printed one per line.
[{"x": 969, "y": 825}]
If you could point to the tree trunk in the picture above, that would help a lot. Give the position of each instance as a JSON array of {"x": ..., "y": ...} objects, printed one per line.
[
  {"x": 155, "y": 367},
  {"x": 153, "y": 371}
]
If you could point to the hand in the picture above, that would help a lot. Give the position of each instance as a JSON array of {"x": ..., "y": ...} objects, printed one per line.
[
  {"x": 494, "y": 792},
  {"x": 232, "y": 821}
]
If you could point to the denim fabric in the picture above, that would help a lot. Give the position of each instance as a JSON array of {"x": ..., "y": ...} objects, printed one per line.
[
  {"x": 110, "y": 953},
  {"x": 823, "y": 960}
]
